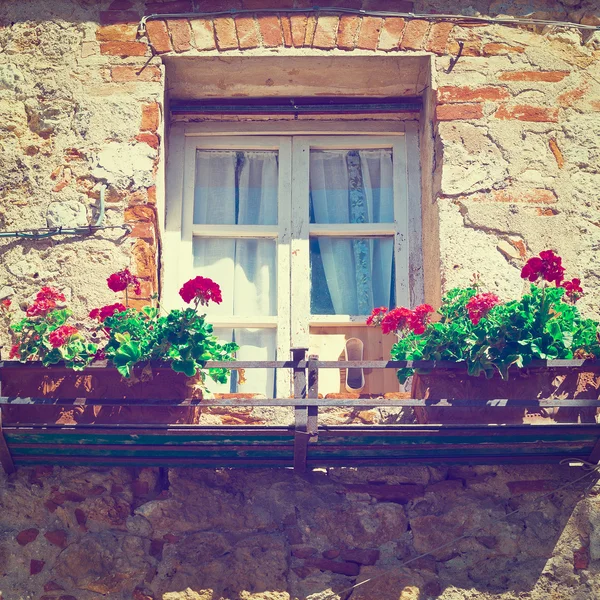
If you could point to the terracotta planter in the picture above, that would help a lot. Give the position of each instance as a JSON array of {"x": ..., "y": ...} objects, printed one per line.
[
  {"x": 523, "y": 384},
  {"x": 95, "y": 383}
]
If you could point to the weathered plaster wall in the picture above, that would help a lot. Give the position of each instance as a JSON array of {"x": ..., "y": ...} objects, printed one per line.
[
  {"x": 269, "y": 535},
  {"x": 513, "y": 168}
]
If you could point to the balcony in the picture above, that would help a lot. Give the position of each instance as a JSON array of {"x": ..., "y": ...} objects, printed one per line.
[{"x": 306, "y": 443}]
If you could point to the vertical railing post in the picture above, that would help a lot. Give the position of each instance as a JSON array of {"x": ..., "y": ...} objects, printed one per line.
[
  {"x": 301, "y": 433},
  {"x": 5, "y": 458},
  {"x": 313, "y": 393}
]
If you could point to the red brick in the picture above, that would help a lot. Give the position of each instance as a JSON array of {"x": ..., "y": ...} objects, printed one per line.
[
  {"x": 546, "y": 212},
  {"x": 286, "y": 29},
  {"x": 333, "y": 553},
  {"x": 148, "y": 138},
  {"x": 497, "y": 49},
  {"x": 204, "y": 35},
  {"x": 139, "y": 212},
  {"x": 175, "y": 6},
  {"x": 457, "y": 112},
  {"x": 510, "y": 195},
  {"x": 111, "y": 17},
  {"x": 52, "y": 586},
  {"x": 438, "y": 37},
  {"x": 304, "y": 552},
  {"x": 144, "y": 260},
  {"x": 150, "y": 116},
  {"x": 127, "y": 73},
  {"x": 36, "y": 567},
  {"x": 326, "y": 32},
  {"x": 311, "y": 26},
  {"x": 451, "y": 94},
  {"x": 270, "y": 30},
  {"x": 120, "y": 32},
  {"x": 347, "y": 32},
  {"x": 528, "y": 486},
  {"x": 158, "y": 34},
  {"x": 414, "y": 35},
  {"x": 58, "y": 537},
  {"x": 181, "y": 34},
  {"x": 247, "y": 32},
  {"x": 123, "y": 48},
  {"x": 392, "y": 30},
  {"x": 368, "y": 36},
  {"x": 343, "y": 568},
  {"x": 581, "y": 558},
  {"x": 546, "y": 76},
  {"x": 225, "y": 33},
  {"x": 152, "y": 194},
  {"x": 558, "y": 155},
  {"x": 298, "y": 28},
  {"x": 568, "y": 98},
  {"x": 523, "y": 112},
  {"x": 27, "y": 536}
]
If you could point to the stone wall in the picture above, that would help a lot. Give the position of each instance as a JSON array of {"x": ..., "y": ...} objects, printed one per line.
[
  {"x": 511, "y": 160},
  {"x": 270, "y": 535}
]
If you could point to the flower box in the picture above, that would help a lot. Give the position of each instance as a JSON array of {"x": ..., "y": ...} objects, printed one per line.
[
  {"x": 97, "y": 382},
  {"x": 536, "y": 383}
]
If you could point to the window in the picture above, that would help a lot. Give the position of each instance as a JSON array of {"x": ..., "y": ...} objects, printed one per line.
[{"x": 305, "y": 234}]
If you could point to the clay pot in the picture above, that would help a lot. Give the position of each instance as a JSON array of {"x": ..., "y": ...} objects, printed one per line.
[
  {"x": 97, "y": 382},
  {"x": 523, "y": 384}
]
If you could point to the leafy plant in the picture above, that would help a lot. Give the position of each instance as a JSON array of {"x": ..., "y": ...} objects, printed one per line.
[
  {"x": 491, "y": 336},
  {"x": 132, "y": 337}
]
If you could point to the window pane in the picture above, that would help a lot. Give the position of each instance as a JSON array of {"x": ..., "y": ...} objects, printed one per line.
[
  {"x": 255, "y": 344},
  {"x": 236, "y": 187},
  {"x": 351, "y": 186},
  {"x": 246, "y": 271},
  {"x": 351, "y": 276}
]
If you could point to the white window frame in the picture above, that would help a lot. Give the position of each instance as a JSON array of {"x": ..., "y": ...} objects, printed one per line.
[{"x": 293, "y": 141}]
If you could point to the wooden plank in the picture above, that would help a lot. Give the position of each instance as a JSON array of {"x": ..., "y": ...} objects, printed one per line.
[
  {"x": 236, "y": 231},
  {"x": 312, "y": 425},
  {"x": 401, "y": 219},
  {"x": 5, "y": 457}
]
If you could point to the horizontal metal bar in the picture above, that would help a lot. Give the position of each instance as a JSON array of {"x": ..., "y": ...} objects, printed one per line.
[
  {"x": 591, "y": 365},
  {"x": 322, "y": 402}
]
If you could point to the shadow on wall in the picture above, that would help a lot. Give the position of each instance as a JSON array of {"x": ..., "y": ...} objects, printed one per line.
[{"x": 272, "y": 535}]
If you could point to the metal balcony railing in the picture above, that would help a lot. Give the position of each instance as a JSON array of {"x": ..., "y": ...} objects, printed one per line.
[{"x": 306, "y": 443}]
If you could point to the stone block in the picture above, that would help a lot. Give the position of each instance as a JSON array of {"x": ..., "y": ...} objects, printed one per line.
[
  {"x": 69, "y": 213},
  {"x": 27, "y": 536},
  {"x": 57, "y": 537}
]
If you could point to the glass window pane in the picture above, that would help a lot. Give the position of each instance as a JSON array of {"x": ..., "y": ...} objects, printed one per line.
[
  {"x": 255, "y": 344},
  {"x": 236, "y": 187},
  {"x": 246, "y": 271},
  {"x": 351, "y": 276},
  {"x": 351, "y": 186}
]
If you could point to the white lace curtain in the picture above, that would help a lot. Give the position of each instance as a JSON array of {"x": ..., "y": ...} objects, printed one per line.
[
  {"x": 354, "y": 186},
  {"x": 240, "y": 188}
]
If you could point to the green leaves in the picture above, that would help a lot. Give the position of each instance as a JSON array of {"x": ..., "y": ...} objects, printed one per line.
[{"x": 538, "y": 326}]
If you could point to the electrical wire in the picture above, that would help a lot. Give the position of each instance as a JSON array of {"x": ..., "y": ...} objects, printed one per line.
[
  {"x": 371, "y": 13},
  {"x": 591, "y": 468}
]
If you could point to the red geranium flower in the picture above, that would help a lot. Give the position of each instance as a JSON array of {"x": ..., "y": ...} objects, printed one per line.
[
  {"x": 121, "y": 280},
  {"x": 202, "y": 288},
  {"x": 573, "y": 289},
  {"x": 15, "y": 352},
  {"x": 6, "y": 303},
  {"x": 479, "y": 306},
  {"x": 420, "y": 318},
  {"x": 59, "y": 337},
  {"x": 397, "y": 319},
  {"x": 547, "y": 265},
  {"x": 107, "y": 311},
  {"x": 377, "y": 316},
  {"x": 45, "y": 301}
]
